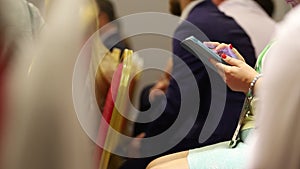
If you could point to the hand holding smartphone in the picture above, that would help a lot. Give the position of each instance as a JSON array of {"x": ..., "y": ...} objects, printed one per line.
[{"x": 197, "y": 48}]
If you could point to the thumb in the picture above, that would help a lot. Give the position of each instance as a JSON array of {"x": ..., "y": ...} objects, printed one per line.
[
  {"x": 142, "y": 135},
  {"x": 237, "y": 53}
]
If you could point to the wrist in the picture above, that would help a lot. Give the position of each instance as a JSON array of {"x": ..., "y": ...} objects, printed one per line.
[{"x": 252, "y": 85}]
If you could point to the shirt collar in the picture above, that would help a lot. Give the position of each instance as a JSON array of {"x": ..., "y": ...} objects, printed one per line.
[{"x": 185, "y": 13}]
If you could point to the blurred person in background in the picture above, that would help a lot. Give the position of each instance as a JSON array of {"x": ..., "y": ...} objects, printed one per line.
[
  {"x": 275, "y": 142},
  {"x": 205, "y": 16},
  {"x": 42, "y": 130},
  {"x": 148, "y": 95},
  {"x": 254, "y": 16},
  {"x": 110, "y": 27}
]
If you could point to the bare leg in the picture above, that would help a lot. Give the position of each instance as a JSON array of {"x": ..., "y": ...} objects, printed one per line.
[
  {"x": 180, "y": 163},
  {"x": 167, "y": 158}
]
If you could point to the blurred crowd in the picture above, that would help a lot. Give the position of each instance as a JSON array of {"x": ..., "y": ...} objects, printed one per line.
[{"x": 69, "y": 76}]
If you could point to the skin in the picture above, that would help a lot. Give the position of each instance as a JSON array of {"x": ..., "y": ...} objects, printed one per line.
[
  {"x": 177, "y": 6},
  {"x": 238, "y": 77},
  {"x": 217, "y": 2},
  {"x": 293, "y": 3},
  {"x": 184, "y": 3},
  {"x": 176, "y": 160},
  {"x": 239, "y": 74},
  {"x": 163, "y": 83},
  {"x": 104, "y": 22},
  {"x": 103, "y": 19}
]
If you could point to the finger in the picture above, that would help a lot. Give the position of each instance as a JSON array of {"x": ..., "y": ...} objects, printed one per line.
[
  {"x": 231, "y": 61},
  {"x": 213, "y": 61},
  {"x": 155, "y": 93},
  {"x": 219, "y": 67},
  {"x": 222, "y": 47},
  {"x": 221, "y": 70},
  {"x": 211, "y": 45},
  {"x": 161, "y": 85},
  {"x": 229, "y": 50},
  {"x": 137, "y": 139},
  {"x": 142, "y": 135},
  {"x": 236, "y": 53}
]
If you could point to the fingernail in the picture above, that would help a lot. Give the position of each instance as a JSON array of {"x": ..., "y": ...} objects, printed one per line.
[
  {"x": 223, "y": 56},
  {"x": 230, "y": 46}
]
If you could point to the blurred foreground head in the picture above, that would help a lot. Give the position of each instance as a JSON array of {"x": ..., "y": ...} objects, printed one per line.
[{"x": 42, "y": 129}]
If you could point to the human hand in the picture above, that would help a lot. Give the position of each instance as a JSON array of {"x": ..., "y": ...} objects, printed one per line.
[
  {"x": 227, "y": 49},
  {"x": 159, "y": 88},
  {"x": 238, "y": 75},
  {"x": 135, "y": 146}
]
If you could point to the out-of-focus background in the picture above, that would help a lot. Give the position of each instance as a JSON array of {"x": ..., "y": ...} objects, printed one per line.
[
  {"x": 128, "y": 7},
  {"x": 56, "y": 84}
]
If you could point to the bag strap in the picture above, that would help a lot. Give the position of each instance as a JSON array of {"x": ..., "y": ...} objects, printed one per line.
[{"x": 245, "y": 112}]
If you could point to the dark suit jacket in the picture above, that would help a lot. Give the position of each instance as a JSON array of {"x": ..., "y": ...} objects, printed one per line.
[{"x": 217, "y": 27}]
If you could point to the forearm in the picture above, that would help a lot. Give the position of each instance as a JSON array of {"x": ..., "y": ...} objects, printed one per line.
[
  {"x": 254, "y": 85},
  {"x": 257, "y": 86}
]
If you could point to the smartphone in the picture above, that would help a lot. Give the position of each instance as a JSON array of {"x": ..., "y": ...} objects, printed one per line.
[{"x": 198, "y": 49}]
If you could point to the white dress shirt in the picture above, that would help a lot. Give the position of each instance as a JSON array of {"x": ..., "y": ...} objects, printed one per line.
[{"x": 253, "y": 19}]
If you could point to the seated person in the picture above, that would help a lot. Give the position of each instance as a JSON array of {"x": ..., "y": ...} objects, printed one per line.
[
  {"x": 252, "y": 15},
  {"x": 238, "y": 76},
  {"x": 109, "y": 26},
  {"x": 192, "y": 75},
  {"x": 207, "y": 156},
  {"x": 150, "y": 92}
]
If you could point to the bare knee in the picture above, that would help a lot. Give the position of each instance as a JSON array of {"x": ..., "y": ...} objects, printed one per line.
[
  {"x": 158, "y": 163},
  {"x": 152, "y": 164}
]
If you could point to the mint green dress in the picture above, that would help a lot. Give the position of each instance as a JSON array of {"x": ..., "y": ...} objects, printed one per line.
[{"x": 221, "y": 155}]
